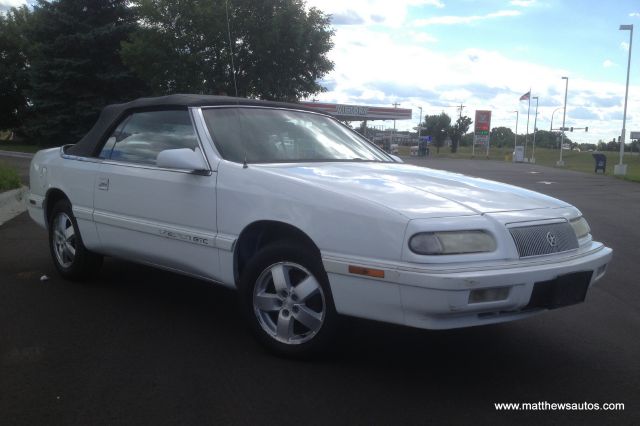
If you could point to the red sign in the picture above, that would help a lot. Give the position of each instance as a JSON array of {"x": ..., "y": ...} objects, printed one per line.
[
  {"x": 482, "y": 122},
  {"x": 482, "y": 128}
]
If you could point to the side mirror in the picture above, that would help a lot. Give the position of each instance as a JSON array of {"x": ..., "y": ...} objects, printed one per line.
[
  {"x": 396, "y": 158},
  {"x": 182, "y": 158}
]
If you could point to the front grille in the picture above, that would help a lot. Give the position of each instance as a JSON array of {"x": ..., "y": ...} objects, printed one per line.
[{"x": 537, "y": 240}]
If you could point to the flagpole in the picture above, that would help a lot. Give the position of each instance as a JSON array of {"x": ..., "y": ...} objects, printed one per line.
[{"x": 526, "y": 138}]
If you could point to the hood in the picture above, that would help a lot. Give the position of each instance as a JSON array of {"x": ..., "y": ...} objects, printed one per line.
[{"x": 415, "y": 192}]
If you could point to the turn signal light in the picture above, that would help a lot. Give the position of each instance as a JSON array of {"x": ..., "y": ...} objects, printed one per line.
[{"x": 359, "y": 270}]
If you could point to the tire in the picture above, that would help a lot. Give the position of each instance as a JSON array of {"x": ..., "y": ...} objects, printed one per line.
[
  {"x": 71, "y": 258},
  {"x": 285, "y": 297}
]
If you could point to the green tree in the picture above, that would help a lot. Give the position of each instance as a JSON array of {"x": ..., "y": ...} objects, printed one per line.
[
  {"x": 75, "y": 66},
  {"x": 437, "y": 126},
  {"x": 14, "y": 77},
  {"x": 501, "y": 137},
  {"x": 467, "y": 139},
  {"x": 368, "y": 131},
  {"x": 458, "y": 130},
  {"x": 278, "y": 47},
  {"x": 547, "y": 139},
  {"x": 613, "y": 145}
]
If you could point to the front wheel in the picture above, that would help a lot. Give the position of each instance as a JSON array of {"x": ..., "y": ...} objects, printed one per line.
[
  {"x": 70, "y": 256},
  {"x": 286, "y": 298}
]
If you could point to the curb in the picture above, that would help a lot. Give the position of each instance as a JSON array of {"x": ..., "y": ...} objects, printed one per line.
[
  {"x": 12, "y": 203},
  {"x": 15, "y": 154}
]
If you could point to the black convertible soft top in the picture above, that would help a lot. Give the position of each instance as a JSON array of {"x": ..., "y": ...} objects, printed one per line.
[{"x": 111, "y": 115}]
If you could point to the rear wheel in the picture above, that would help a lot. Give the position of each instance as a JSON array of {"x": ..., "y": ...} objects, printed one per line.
[
  {"x": 286, "y": 298},
  {"x": 69, "y": 254}
]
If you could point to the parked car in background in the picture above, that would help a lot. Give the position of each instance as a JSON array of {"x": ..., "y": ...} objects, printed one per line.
[{"x": 306, "y": 219}]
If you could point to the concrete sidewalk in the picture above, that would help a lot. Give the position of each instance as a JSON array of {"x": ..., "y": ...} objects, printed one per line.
[{"x": 12, "y": 203}]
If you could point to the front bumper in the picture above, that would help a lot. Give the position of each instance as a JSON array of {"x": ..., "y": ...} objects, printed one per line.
[
  {"x": 35, "y": 208},
  {"x": 441, "y": 297}
]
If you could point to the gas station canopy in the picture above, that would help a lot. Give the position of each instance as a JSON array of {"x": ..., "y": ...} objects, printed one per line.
[{"x": 360, "y": 112}]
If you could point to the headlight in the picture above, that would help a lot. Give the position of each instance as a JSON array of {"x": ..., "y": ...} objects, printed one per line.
[
  {"x": 580, "y": 227},
  {"x": 452, "y": 242}
]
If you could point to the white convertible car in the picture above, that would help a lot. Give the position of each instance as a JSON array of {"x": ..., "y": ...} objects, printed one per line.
[{"x": 306, "y": 219}]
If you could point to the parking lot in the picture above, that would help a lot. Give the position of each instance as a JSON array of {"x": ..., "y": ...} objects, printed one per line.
[{"x": 138, "y": 345}]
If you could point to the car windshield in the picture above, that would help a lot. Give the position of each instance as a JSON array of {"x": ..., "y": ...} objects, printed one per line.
[{"x": 269, "y": 135}]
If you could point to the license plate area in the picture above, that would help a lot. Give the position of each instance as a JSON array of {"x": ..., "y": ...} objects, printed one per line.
[{"x": 564, "y": 290}]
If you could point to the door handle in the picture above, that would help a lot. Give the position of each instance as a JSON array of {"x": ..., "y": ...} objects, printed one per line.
[{"x": 103, "y": 184}]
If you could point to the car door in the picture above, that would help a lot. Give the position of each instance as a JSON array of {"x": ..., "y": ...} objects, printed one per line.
[{"x": 146, "y": 213}]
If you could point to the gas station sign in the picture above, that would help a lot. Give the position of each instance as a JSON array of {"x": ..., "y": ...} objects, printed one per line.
[
  {"x": 360, "y": 112},
  {"x": 482, "y": 128}
]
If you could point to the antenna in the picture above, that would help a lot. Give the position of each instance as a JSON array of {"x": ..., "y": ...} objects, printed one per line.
[{"x": 233, "y": 68}]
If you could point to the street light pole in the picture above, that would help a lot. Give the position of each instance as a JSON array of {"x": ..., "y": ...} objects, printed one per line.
[
  {"x": 420, "y": 125},
  {"x": 515, "y": 137},
  {"x": 554, "y": 111},
  {"x": 564, "y": 116},
  {"x": 526, "y": 138},
  {"x": 392, "y": 139},
  {"x": 535, "y": 121},
  {"x": 621, "y": 169}
]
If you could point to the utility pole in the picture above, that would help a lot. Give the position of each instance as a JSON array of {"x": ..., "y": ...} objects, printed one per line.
[
  {"x": 460, "y": 118},
  {"x": 395, "y": 105}
]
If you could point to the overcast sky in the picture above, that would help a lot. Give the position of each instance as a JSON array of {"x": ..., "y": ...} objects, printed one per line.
[{"x": 486, "y": 54}]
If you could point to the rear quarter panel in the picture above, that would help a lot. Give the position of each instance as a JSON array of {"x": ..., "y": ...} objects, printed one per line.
[{"x": 74, "y": 178}]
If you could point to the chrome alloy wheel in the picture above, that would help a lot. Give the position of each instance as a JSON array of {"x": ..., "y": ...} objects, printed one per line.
[
  {"x": 64, "y": 240},
  {"x": 289, "y": 303}
]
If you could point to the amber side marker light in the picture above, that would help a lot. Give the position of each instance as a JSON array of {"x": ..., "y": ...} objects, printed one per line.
[{"x": 375, "y": 273}]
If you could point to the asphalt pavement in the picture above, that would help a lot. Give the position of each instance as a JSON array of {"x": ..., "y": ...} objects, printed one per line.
[{"x": 142, "y": 346}]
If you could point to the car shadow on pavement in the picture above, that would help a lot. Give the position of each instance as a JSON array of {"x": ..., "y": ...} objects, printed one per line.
[{"x": 212, "y": 310}]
